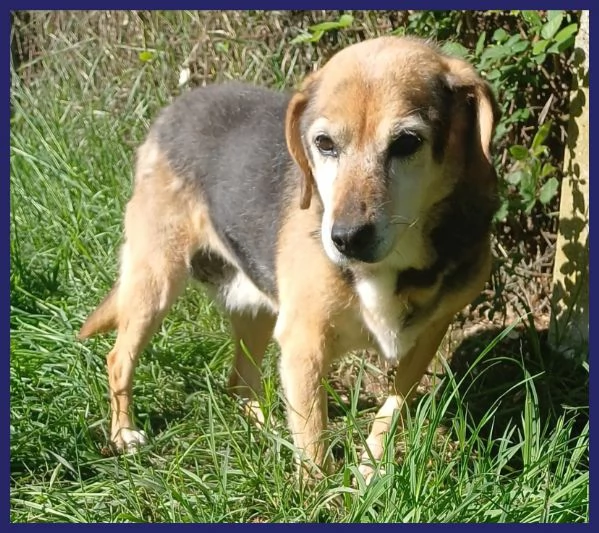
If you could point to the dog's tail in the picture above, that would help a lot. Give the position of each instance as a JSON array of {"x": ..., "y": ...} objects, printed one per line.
[{"x": 103, "y": 319}]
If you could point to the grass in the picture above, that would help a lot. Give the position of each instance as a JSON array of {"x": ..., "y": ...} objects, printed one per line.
[{"x": 502, "y": 438}]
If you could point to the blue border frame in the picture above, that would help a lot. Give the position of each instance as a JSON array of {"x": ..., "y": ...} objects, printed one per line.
[
  {"x": 5, "y": 262},
  {"x": 223, "y": 4},
  {"x": 593, "y": 333},
  {"x": 290, "y": 4}
]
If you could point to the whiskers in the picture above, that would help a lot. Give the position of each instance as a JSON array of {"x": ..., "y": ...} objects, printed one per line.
[
  {"x": 316, "y": 234},
  {"x": 400, "y": 220}
]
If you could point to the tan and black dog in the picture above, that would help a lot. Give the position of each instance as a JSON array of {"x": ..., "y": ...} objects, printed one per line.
[{"x": 352, "y": 214}]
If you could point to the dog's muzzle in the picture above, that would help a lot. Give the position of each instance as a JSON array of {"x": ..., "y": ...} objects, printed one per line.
[{"x": 357, "y": 242}]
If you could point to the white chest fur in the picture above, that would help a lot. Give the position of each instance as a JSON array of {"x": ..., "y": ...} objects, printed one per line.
[{"x": 383, "y": 313}]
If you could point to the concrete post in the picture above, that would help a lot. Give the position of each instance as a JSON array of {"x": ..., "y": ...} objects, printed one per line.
[{"x": 569, "y": 330}]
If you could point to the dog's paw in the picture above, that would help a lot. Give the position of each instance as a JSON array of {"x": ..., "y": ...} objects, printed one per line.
[
  {"x": 369, "y": 472},
  {"x": 129, "y": 440},
  {"x": 252, "y": 409}
]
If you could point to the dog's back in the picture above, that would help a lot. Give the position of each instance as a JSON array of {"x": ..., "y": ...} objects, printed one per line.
[{"x": 229, "y": 140}]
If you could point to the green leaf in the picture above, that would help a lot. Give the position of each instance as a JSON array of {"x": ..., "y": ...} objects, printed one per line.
[
  {"x": 530, "y": 203},
  {"x": 519, "y": 152},
  {"x": 512, "y": 40},
  {"x": 502, "y": 212},
  {"x": 346, "y": 20},
  {"x": 317, "y": 35},
  {"x": 343, "y": 22},
  {"x": 535, "y": 169},
  {"x": 521, "y": 114},
  {"x": 550, "y": 28},
  {"x": 527, "y": 187},
  {"x": 401, "y": 31},
  {"x": 563, "y": 40},
  {"x": 520, "y": 46},
  {"x": 508, "y": 69},
  {"x": 566, "y": 33},
  {"x": 146, "y": 56},
  {"x": 554, "y": 13},
  {"x": 515, "y": 177},
  {"x": 500, "y": 131},
  {"x": 302, "y": 38},
  {"x": 480, "y": 44},
  {"x": 495, "y": 52},
  {"x": 307, "y": 37},
  {"x": 540, "y": 46},
  {"x": 558, "y": 48},
  {"x": 500, "y": 35},
  {"x": 493, "y": 75},
  {"x": 455, "y": 49},
  {"x": 547, "y": 169},
  {"x": 548, "y": 190},
  {"x": 325, "y": 26},
  {"x": 541, "y": 135},
  {"x": 539, "y": 151},
  {"x": 532, "y": 18}
]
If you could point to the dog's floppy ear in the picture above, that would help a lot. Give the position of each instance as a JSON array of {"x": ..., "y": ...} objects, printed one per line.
[
  {"x": 295, "y": 143},
  {"x": 463, "y": 80}
]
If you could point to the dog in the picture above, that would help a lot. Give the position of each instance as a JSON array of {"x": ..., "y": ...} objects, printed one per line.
[{"x": 353, "y": 213}]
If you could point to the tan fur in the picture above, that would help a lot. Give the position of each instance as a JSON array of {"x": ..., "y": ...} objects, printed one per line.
[
  {"x": 251, "y": 334},
  {"x": 319, "y": 316},
  {"x": 322, "y": 322},
  {"x": 317, "y": 322},
  {"x": 103, "y": 319},
  {"x": 164, "y": 226},
  {"x": 314, "y": 315},
  {"x": 294, "y": 144}
]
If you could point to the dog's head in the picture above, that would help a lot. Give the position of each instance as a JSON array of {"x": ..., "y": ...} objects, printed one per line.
[{"x": 384, "y": 131}]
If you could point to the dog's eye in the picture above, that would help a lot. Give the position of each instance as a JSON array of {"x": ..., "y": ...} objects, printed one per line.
[
  {"x": 325, "y": 145},
  {"x": 405, "y": 145}
]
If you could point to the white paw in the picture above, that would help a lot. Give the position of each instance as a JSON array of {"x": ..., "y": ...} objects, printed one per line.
[
  {"x": 368, "y": 472},
  {"x": 252, "y": 409},
  {"x": 130, "y": 440}
]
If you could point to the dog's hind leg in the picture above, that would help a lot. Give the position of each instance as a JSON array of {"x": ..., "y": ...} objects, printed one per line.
[
  {"x": 251, "y": 334},
  {"x": 146, "y": 291},
  {"x": 162, "y": 225}
]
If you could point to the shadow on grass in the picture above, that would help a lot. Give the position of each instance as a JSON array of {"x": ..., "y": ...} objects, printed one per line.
[{"x": 497, "y": 381}]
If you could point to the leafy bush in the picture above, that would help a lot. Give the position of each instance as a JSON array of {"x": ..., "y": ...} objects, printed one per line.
[{"x": 520, "y": 59}]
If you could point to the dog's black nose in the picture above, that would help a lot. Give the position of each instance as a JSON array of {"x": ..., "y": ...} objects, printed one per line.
[{"x": 356, "y": 242}]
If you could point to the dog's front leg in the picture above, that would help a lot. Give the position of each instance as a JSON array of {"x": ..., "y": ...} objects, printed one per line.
[
  {"x": 408, "y": 373},
  {"x": 304, "y": 365}
]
